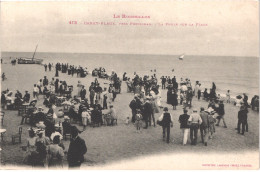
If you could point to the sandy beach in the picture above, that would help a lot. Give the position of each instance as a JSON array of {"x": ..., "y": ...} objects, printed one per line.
[{"x": 108, "y": 144}]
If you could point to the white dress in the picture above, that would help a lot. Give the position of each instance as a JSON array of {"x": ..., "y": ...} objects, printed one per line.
[{"x": 159, "y": 98}]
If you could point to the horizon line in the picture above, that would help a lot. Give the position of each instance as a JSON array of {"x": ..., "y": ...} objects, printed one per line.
[{"x": 127, "y": 54}]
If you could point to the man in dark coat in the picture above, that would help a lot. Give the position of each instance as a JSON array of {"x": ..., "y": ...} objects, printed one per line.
[
  {"x": 26, "y": 97},
  {"x": 166, "y": 124},
  {"x": 163, "y": 82},
  {"x": 45, "y": 81},
  {"x": 221, "y": 113},
  {"x": 242, "y": 119},
  {"x": 147, "y": 112},
  {"x": 77, "y": 149},
  {"x": 49, "y": 67},
  {"x": 83, "y": 93},
  {"x": 133, "y": 105}
]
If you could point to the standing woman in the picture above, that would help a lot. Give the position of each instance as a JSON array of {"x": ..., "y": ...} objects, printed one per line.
[
  {"x": 169, "y": 93},
  {"x": 159, "y": 96},
  {"x": 56, "y": 153},
  {"x": 174, "y": 100},
  {"x": 56, "y": 86},
  {"x": 79, "y": 86}
]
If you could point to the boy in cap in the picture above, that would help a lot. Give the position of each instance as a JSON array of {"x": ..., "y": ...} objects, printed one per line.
[{"x": 138, "y": 121}]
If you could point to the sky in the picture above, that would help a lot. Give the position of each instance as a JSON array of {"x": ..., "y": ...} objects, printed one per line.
[{"x": 232, "y": 27}]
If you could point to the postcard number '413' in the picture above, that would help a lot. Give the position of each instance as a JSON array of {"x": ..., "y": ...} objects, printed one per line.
[{"x": 72, "y": 22}]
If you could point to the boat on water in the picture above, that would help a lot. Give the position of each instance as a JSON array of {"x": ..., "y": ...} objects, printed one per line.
[
  {"x": 24, "y": 60},
  {"x": 181, "y": 57}
]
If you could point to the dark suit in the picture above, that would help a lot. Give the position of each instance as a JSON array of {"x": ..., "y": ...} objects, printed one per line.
[
  {"x": 133, "y": 106},
  {"x": 242, "y": 119},
  {"x": 147, "y": 113},
  {"x": 77, "y": 149},
  {"x": 83, "y": 94}
]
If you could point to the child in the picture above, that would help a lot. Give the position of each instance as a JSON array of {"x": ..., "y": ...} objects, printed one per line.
[
  {"x": 228, "y": 96},
  {"x": 127, "y": 121},
  {"x": 138, "y": 121}
]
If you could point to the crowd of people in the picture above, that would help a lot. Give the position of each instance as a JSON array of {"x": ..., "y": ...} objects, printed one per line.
[
  {"x": 145, "y": 105},
  {"x": 99, "y": 111},
  {"x": 47, "y": 129}
]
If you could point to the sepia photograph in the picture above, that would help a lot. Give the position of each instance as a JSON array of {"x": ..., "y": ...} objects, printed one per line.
[{"x": 129, "y": 85}]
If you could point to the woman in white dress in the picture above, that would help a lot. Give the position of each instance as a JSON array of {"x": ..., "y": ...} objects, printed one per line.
[
  {"x": 158, "y": 97},
  {"x": 79, "y": 86}
]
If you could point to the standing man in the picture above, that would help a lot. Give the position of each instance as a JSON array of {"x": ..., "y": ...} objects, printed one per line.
[
  {"x": 166, "y": 123},
  {"x": 183, "y": 119},
  {"x": 163, "y": 82},
  {"x": 195, "y": 120},
  {"x": 26, "y": 97},
  {"x": 204, "y": 127},
  {"x": 221, "y": 113},
  {"x": 35, "y": 91},
  {"x": 45, "y": 67},
  {"x": 45, "y": 81},
  {"x": 242, "y": 119},
  {"x": 83, "y": 93},
  {"x": 133, "y": 106},
  {"x": 77, "y": 149},
  {"x": 147, "y": 112},
  {"x": 49, "y": 67}
]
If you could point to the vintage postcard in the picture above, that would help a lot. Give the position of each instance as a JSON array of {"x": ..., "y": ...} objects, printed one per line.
[{"x": 155, "y": 85}]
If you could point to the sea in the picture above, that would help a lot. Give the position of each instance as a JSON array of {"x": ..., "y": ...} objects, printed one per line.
[{"x": 237, "y": 74}]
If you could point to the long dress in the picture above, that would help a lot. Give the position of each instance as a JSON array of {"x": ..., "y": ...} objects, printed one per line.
[
  {"x": 174, "y": 99},
  {"x": 169, "y": 97},
  {"x": 79, "y": 88},
  {"x": 159, "y": 104}
]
